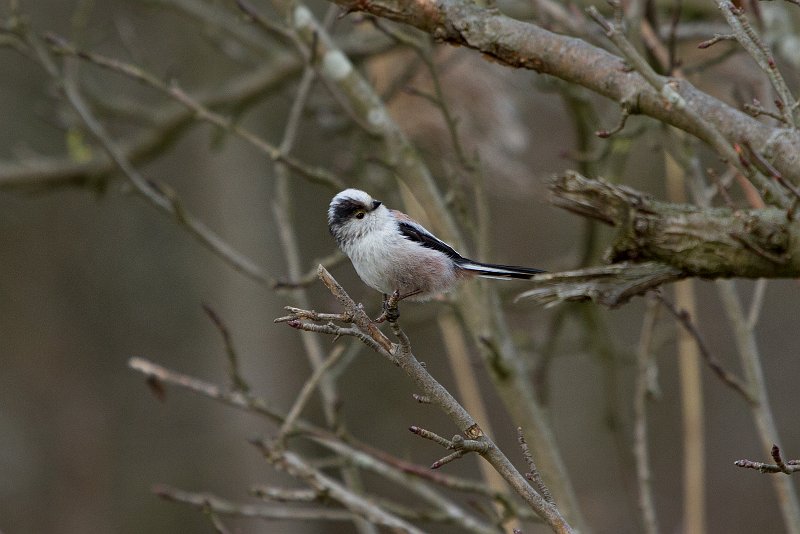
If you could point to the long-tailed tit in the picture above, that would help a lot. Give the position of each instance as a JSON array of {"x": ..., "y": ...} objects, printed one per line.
[{"x": 392, "y": 252}]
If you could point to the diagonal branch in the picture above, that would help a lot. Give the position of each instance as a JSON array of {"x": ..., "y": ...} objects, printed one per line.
[
  {"x": 400, "y": 353},
  {"x": 523, "y": 45}
]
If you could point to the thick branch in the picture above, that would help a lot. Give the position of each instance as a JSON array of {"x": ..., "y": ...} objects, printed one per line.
[
  {"x": 524, "y": 45},
  {"x": 711, "y": 242}
]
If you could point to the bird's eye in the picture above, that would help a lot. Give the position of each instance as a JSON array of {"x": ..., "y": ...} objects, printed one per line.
[{"x": 360, "y": 215}]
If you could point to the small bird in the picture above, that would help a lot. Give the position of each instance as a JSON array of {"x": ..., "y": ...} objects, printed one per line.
[{"x": 391, "y": 252}]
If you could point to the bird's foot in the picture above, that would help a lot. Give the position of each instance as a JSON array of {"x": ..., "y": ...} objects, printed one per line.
[{"x": 390, "y": 311}]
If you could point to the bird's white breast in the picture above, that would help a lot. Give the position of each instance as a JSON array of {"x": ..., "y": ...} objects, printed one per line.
[{"x": 387, "y": 261}]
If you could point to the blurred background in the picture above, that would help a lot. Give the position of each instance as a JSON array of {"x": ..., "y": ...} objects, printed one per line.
[{"x": 92, "y": 275}]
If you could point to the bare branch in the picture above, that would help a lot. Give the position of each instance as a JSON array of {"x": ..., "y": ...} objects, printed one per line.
[
  {"x": 695, "y": 241},
  {"x": 747, "y": 37},
  {"x": 713, "y": 363},
  {"x": 787, "y": 467},
  {"x": 761, "y": 409},
  {"x": 609, "y": 285},
  {"x": 207, "y": 501},
  {"x": 162, "y": 199},
  {"x": 308, "y": 389},
  {"x": 524, "y": 45},
  {"x": 701, "y": 127},
  {"x": 533, "y": 475},
  {"x": 411, "y": 480},
  {"x": 238, "y": 383},
  {"x": 475, "y": 440},
  {"x": 358, "y": 504}
]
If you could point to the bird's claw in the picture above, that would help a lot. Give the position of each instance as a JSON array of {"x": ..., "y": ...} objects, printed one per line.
[{"x": 390, "y": 311}]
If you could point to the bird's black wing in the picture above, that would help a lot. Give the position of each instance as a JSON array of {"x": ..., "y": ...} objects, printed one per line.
[{"x": 418, "y": 234}]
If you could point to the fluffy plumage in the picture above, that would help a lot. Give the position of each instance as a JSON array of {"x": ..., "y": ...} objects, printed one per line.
[{"x": 390, "y": 251}]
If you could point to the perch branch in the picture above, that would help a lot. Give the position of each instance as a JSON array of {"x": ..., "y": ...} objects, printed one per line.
[{"x": 404, "y": 358}]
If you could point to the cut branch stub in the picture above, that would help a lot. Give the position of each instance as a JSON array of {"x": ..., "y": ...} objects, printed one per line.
[{"x": 705, "y": 242}]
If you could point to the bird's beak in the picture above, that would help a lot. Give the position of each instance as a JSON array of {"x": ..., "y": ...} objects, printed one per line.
[{"x": 375, "y": 204}]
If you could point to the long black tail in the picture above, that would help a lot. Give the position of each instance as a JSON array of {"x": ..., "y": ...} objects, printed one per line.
[{"x": 492, "y": 270}]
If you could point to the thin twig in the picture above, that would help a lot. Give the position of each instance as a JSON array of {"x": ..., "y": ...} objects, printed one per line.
[
  {"x": 754, "y": 46},
  {"x": 717, "y": 38},
  {"x": 330, "y": 261},
  {"x": 625, "y": 112},
  {"x": 238, "y": 383},
  {"x": 308, "y": 388},
  {"x": 715, "y": 365},
  {"x": 787, "y": 467},
  {"x": 269, "y": 493},
  {"x": 533, "y": 474},
  {"x": 432, "y": 436}
]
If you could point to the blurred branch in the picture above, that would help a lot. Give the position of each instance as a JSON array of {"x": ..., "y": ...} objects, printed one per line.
[
  {"x": 309, "y": 277},
  {"x": 199, "y": 111},
  {"x": 681, "y": 164},
  {"x": 169, "y": 120},
  {"x": 645, "y": 366},
  {"x": 238, "y": 399},
  {"x": 360, "y": 505},
  {"x": 238, "y": 383},
  {"x": 413, "y": 484},
  {"x": 305, "y": 393},
  {"x": 209, "y": 502},
  {"x": 399, "y": 472},
  {"x": 165, "y": 200}
]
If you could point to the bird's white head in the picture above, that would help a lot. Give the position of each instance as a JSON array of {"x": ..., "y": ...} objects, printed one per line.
[{"x": 353, "y": 214}]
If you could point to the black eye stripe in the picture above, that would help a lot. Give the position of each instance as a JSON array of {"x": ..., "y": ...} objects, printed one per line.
[{"x": 346, "y": 208}]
